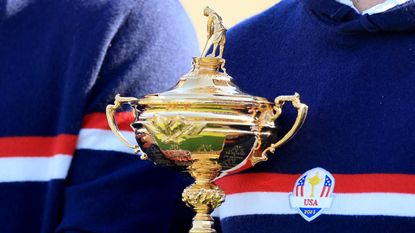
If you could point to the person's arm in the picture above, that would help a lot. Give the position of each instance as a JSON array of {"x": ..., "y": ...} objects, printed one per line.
[{"x": 108, "y": 188}]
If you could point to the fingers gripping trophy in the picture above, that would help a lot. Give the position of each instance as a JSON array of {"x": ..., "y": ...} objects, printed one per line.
[{"x": 206, "y": 126}]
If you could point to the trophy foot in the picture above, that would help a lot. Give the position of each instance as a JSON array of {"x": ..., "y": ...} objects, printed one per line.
[
  {"x": 202, "y": 227},
  {"x": 203, "y": 200},
  {"x": 203, "y": 195}
]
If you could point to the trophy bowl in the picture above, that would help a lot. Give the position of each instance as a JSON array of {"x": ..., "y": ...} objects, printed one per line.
[{"x": 206, "y": 126}]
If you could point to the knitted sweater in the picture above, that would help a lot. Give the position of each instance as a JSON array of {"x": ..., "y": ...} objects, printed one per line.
[
  {"x": 356, "y": 73},
  {"x": 61, "y": 63}
]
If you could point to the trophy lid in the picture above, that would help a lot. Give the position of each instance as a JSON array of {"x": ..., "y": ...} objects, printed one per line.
[{"x": 205, "y": 84}]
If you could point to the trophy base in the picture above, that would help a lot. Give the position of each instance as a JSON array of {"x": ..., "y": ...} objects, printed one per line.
[
  {"x": 203, "y": 195},
  {"x": 200, "y": 226}
]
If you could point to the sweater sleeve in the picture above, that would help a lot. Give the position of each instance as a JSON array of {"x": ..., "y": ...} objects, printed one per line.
[{"x": 108, "y": 188}]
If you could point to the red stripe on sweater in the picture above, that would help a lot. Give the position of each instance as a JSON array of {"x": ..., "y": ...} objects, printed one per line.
[
  {"x": 356, "y": 183},
  {"x": 99, "y": 121},
  {"x": 33, "y": 146}
]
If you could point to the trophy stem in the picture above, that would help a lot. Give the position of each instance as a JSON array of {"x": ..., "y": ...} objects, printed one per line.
[{"x": 203, "y": 195}]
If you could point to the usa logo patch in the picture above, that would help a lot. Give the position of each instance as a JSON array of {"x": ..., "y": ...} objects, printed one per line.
[{"x": 313, "y": 193}]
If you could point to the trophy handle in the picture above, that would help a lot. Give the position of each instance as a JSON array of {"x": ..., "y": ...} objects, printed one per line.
[
  {"x": 301, "y": 115},
  {"x": 112, "y": 122}
]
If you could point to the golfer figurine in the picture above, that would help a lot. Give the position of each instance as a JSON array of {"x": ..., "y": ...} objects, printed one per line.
[{"x": 216, "y": 31}]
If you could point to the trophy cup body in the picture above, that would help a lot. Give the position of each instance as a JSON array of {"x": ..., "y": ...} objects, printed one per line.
[{"x": 206, "y": 126}]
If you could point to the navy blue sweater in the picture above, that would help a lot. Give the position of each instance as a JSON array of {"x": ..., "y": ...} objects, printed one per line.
[
  {"x": 61, "y": 63},
  {"x": 357, "y": 74}
]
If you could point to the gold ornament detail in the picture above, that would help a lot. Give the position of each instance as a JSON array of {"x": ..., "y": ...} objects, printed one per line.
[
  {"x": 195, "y": 196},
  {"x": 173, "y": 129}
]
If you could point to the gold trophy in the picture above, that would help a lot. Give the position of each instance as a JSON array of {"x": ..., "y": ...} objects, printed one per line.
[{"x": 206, "y": 126}]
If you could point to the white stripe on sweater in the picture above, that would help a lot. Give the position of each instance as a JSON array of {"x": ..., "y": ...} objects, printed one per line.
[
  {"x": 15, "y": 169},
  {"x": 20, "y": 169},
  {"x": 100, "y": 139},
  {"x": 386, "y": 204}
]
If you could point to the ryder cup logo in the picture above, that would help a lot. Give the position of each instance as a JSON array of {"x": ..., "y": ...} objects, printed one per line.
[{"x": 313, "y": 192}]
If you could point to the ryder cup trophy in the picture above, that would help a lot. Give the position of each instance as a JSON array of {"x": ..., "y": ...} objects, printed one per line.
[{"x": 206, "y": 126}]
